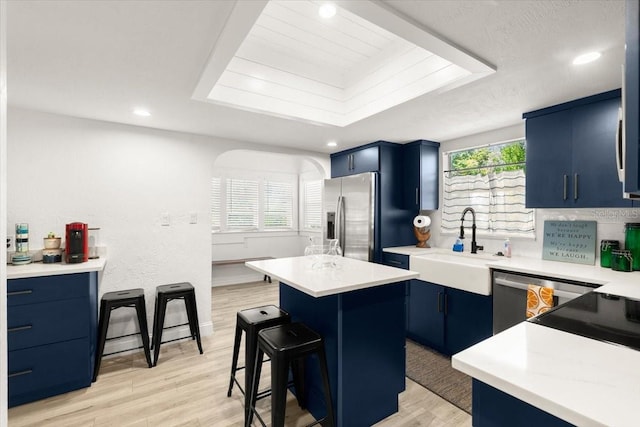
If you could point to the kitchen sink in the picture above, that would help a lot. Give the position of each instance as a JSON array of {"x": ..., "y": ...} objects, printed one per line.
[{"x": 464, "y": 271}]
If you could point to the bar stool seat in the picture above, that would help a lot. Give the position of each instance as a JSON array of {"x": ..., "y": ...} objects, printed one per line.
[
  {"x": 164, "y": 294},
  {"x": 133, "y": 298},
  {"x": 252, "y": 321},
  {"x": 287, "y": 346}
]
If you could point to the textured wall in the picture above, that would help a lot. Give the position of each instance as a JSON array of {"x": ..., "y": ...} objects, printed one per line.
[{"x": 121, "y": 178}]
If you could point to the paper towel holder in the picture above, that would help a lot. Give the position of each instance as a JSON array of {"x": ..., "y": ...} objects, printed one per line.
[{"x": 421, "y": 230}]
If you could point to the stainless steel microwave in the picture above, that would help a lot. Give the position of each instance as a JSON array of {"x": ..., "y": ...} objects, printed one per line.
[{"x": 621, "y": 145}]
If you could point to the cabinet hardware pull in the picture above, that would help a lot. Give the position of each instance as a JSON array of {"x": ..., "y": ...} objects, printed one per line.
[
  {"x": 20, "y": 328},
  {"x": 417, "y": 200},
  {"x": 446, "y": 303},
  {"x": 14, "y": 293},
  {"x": 564, "y": 191},
  {"x": 393, "y": 261},
  {"x": 17, "y": 374},
  {"x": 575, "y": 186},
  {"x": 439, "y": 302}
]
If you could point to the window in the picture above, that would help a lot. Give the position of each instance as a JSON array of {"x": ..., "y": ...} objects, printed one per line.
[
  {"x": 278, "y": 205},
  {"x": 244, "y": 201},
  {"x": 312, "y": 205},
  {"x": 491, "y": 180}
]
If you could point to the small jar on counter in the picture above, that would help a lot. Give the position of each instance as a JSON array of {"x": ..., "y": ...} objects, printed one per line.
[
  {"x": 621, "y": 260},
  {"x": 606, "y": 246}
]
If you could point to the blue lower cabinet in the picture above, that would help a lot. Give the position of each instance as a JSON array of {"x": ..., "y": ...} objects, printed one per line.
[
  {"x": 51, "y": 335},
  {"x": 494, "y": 408},
  {"x": 446, "y": 319},
  {"x": 364, "y": 334}
]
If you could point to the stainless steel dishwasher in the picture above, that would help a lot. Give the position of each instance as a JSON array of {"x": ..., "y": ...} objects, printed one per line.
[{"x": 510, "y": 295}]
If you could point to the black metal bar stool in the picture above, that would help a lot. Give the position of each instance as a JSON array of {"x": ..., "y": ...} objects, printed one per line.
[
  {"x": 252, "y": 321},
  {"x": 287, "y": 346},
  {"x": 112, "y": 300},
  {"x": 164, "y": 294}
]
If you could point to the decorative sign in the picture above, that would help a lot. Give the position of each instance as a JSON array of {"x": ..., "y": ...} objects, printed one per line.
[{"x": 570, "y": 241}]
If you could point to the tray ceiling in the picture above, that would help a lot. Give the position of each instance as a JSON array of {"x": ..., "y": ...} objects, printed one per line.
[{"x": 282, "y": 58}]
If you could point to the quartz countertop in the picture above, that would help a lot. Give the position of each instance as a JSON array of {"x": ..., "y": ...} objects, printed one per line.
[
  {"x": 349, "y": 274},
  {"x": 581, "y": 380},
  {"x": 37, "y": 269}
]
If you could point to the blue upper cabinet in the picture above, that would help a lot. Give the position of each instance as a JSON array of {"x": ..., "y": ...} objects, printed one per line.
[
  {"x": 355, "y": 161},
  {"x": 571, "y": 154},
  {"x": 632, "y": 97},
  {"x": 421, "y": 175}
]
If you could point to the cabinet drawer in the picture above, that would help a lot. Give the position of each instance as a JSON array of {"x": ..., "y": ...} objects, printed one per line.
[
  {"x": 47, "y": 288},
  {"x": 45, "y": 323},
  {"x": 47, "y": 370},
  {"x": 395, "y": 260}
]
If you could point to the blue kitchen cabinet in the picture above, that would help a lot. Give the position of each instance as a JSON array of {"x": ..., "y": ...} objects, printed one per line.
[
  {"x": 392, "y": 221},
  {"x": 571, "y": 153},
  {"x": 355, "y": 161},
  {"x": 426, "y": 319},
  {"x": 632, "y": 97},
  {"x": 51, "y": 335},
  {"x": 421, "y": 175},
  {"x": 494, "y": 408},
  {"x": 446, "y": 319}
]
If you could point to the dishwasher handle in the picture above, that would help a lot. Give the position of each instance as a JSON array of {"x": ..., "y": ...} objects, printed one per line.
[{"x": 511, "y": 284}]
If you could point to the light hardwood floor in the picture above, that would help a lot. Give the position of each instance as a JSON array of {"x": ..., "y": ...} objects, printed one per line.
[{"x": 189, "y": 389}]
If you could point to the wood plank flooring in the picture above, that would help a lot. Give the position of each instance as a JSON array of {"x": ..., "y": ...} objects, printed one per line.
[{"x": 189, "y": 389}]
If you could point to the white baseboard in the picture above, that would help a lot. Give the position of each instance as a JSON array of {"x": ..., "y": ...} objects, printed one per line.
[{"x": 236, "y": 279}]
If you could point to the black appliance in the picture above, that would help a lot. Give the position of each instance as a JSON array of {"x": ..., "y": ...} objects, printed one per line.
[{"x": 605, "y": 317}]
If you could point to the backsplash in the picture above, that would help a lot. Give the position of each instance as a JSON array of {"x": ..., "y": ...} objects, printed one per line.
[{"x": 610, "y": 226}]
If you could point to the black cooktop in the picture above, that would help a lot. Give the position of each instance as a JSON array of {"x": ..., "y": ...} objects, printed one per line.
[{"x": 599, "y": 316}]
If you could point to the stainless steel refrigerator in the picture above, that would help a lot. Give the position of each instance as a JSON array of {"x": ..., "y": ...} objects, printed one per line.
[{"x": 348, "y": 214}]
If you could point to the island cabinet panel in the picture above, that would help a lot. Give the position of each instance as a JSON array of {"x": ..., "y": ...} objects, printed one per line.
[
  {"x": 51, "y": 335},
  {"x": 421, "y": 175},
  {"x": 446, "y": 319},
  {"x": 364, "y": 337},
  {"x": 632, "y": 97},
  {"x": 494, "y": 408},
  {"x": 571, "y": 154}
]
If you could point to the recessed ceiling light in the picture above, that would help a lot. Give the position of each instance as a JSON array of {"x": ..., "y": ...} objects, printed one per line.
[
  {"x": 142, "y": 113},
  {"x": 332, "y": 144},
  {"x": 327, "y": 10},
  {"x": 586, "y": 58}
]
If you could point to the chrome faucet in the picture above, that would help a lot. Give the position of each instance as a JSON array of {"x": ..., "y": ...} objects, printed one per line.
[{"x": 474, "y": 246}]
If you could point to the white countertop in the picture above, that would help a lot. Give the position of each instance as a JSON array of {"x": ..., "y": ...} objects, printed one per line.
[
  {"x": 349, "y": 275},
  {"x": 581, "y": 380},
  {"x": 38, "y": 269}
]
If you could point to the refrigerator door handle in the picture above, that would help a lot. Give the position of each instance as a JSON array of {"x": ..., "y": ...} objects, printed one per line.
[{"x": 340, "y": 232}]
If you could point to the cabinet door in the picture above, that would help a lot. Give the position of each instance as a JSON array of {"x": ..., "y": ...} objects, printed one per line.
[
  {"x": 549, "y": 160},
  {"x": 595, "y": 180},
  {"x": 426, "y": 314},
  {"x": 340, "y": 164},
  {"x": 421, "y": 175},
  {"x": 365, "y": 160},
  {"x": 469, "y": 319},
  {"x": 632, "y": 96}
]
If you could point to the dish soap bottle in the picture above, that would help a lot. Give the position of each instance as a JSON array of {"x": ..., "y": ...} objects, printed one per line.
[
  {"x": 506, "y": 250},
  {"x": 458, "y": 246}
]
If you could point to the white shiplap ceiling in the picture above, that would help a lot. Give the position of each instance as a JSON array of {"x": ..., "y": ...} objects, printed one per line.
[
  {"x": 294, "y": 63},
  {"x": 101, "y": 59}
]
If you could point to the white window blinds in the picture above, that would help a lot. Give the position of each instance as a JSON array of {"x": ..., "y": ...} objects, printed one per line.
[
  {"x": 312, "y": 207},
  {"x": 492, "y": 181},
  {"x": 215, "y": 203},
  {"x": 242, "y": 204},
  {"x": 278, "y": 205}
]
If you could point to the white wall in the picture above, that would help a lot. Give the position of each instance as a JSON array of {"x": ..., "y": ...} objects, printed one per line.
[
  {"x": 121, "y": 178},
  {"x": 235, "y": 245},
  {"x": 610, "y": 220}
]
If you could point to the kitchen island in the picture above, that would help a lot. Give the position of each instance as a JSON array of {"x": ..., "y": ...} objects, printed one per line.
[{"x": 359, "y": 309}]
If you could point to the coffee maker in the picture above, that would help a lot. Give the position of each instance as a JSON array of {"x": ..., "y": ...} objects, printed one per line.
[{"x": 77, "y": 243}]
